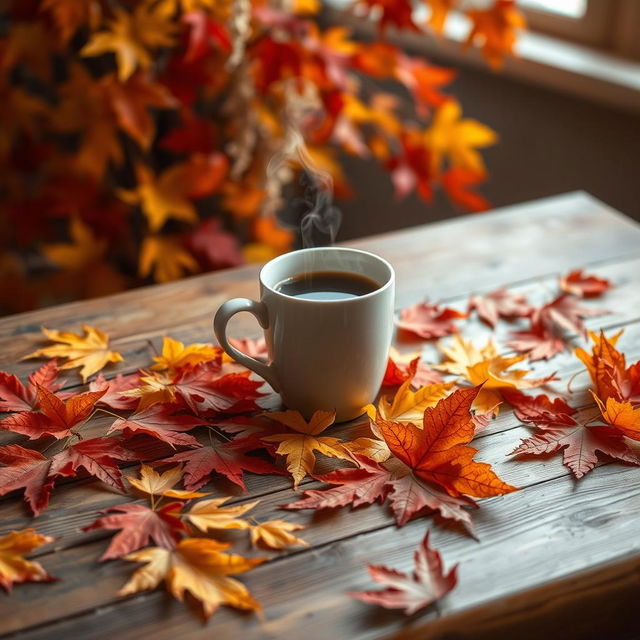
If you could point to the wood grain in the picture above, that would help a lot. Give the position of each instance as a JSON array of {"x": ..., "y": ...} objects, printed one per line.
[{"x": 542, "y": 551}]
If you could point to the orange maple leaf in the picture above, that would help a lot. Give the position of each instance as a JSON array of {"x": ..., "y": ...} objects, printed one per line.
[
  {"x": 495, "y": 30},
  {"x": 13, "y": 566},
  {"x": 438, "y": 453},
  {"x": 196, "y": 565}
]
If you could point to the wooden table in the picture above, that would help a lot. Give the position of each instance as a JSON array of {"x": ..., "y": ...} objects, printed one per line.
[{"x": 559, "y": 557}]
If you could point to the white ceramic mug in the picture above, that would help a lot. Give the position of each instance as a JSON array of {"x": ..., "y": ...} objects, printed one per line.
[{"x": 324, "y": 354}]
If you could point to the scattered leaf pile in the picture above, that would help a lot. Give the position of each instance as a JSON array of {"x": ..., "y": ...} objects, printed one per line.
[{"x": 195, "y": 416}]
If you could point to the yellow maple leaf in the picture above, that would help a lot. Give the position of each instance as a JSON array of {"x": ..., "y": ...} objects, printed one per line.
[
  {"x": 196, "y": 565},
  {"x": 13, "y": 566},
  {"x": 175, "y": 355},
  {"x": 457, "y": 139},
  {"x": 299, "y": 444},
  {"x": 162, "y": 197},
  {"x": 276, "y": 534},
  {"x": 90, "y": 351},
  {"x": 408, "y": 405},
  {"x": 485, "y": 366},
  {"x": 166, "y": 257},
  {"x": 131, "y": 37},
  {"x": 210, "y": 514},
  {"x": 155, "y": 484},
  {"x": 154, "y": 387},
  {"x": 85, "y": 248},
  {"x": 372, "y": 448}
]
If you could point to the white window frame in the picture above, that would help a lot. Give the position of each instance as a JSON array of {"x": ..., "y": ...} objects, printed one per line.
[{"x": 612, "y": 25}]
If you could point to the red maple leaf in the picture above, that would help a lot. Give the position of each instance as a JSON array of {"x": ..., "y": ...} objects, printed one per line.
[
  {"x": 204, "y": 391},
  {"x": 56, "y": 417},
  {"x": 214, "y": 247},
  {"x": 429, "y": 321},
  {"x": 97, "y": 456},
  {"x": 499, "y": 304},
  {"x": 544, "y": 338},
  {"x": 114, "y": 389},
  {"x": 396, "y": 13},
  {"x": 29, "y": 470},
  {"x": 204, "y": 33},
  {"x": 584, "y": 285},
  {"x": 14, "y": 396},
  {"x": 563, "y": 428},
  {"x": 419, "y": 371},
  {"x": 226, "y": 458},
  {"x": 457, "y": 182},
  {"x": 160, "y": 421},
  {"x": 138, "y": 525},
  {"x": 427, "y": 584}
]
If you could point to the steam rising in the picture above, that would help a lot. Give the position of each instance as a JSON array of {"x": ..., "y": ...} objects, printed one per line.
[{"x": 319, "y": 216}]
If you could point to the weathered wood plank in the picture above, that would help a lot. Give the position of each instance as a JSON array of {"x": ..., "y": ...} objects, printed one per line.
[{"x": 535, "y": 534}]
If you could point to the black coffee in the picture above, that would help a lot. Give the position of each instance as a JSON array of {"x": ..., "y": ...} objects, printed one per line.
[{"x": 327, "y": 285}]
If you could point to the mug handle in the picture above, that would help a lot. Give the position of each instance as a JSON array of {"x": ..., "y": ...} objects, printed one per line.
[{"x": 222, "y": 317}]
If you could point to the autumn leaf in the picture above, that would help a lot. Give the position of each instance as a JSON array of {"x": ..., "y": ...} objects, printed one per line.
[
  {"x": 403, "y": 367},
  {"x": 14, "y": 396},
  {"x": 114, "y": 390},
  {"x": 176, "y": 356},
  {"x": 580, "y": 284},
  {"x": 162, "y": 197},
  {"x": 622, "y": 415},
  {"x": 69, "y": 15},
  {"x": 485, "y": 366},
  {"x": 302, "y": 439},
  {"x": 563, "y": 428},
  {"x": 458, "y": 182},
  {"x": 56, "y": 417},
  {"x": 90, "y": 351},
  {"x": 29, "y": 470},
  {"x": 137, "y": 525},
  {"x": 427, "y": 584},
  {"x": 438, "y": 454},
  {"x": 209, "y": 514},
  {"x": 97, "y": 456},
  {"x": 408, "y": 496},
  {"x": 14, "y": 567},
  {"x": 131, "y": 102},
  {"x": 372, "y": 448},
  {"x": 197, "y": 565},
  {"x": 131, "y": 37},
  {"x": 166, "y": 258},
  {"x": 408, "y": 405},
  {"x": 607, "y": 368},
  {"x": 396, "y": 13},
  {"x": 226, "y": 458},
  {"x": 162, "y": 422},
  {"x": 276, "y": 534},
  {"x": 254, "y": 348},
  {"x": 214, "y": 247},
  {"x": 205, "y": 391},
  {"x": 495, "y": 30},
  {"x": 455, "y": 139},
  {"x": 429, "y": 321},
  {"x": 84, "y": 250},
  {"x": 497, "y": 304},
  {"x": 545, "y": 338},
  {"x": 155, "y": 484}
]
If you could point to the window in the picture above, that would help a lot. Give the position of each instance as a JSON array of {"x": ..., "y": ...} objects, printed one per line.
[
  {"x": 568, "y": 8},
  {"x": 606, "y": 24}
]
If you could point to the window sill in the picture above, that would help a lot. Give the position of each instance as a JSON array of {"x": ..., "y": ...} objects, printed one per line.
[{"x": 558, "y": 64}]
